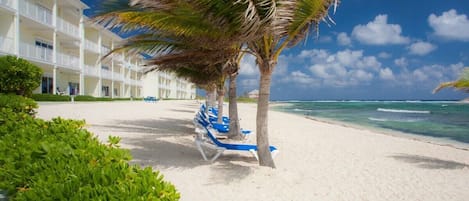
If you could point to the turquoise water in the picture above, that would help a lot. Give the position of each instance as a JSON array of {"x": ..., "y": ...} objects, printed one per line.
[{"x": 449, "y": 120}]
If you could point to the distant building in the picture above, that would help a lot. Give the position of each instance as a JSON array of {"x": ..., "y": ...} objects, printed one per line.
[
  {"x": 254, "y": 94},
  {"x": 56, "y": 36}
]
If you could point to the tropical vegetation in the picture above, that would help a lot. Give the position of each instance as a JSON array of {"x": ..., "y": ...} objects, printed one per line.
[
  {"x": 60, "y": 160},
  {"x": 18, "y": 76},
  {"x": 213, "y": 35},
  {"x": 462, "y": 83}
]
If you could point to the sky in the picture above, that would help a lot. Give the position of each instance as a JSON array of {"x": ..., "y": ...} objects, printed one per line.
[{"x": 376, "y": 50}]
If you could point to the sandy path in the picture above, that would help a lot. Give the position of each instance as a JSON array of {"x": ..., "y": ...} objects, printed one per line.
[{"x": 317, "y": 160}]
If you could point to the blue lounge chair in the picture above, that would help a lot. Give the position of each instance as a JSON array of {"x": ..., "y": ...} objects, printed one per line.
[
  {"x": 222, "y": 128},
  {"x": 206, "y": 138}
]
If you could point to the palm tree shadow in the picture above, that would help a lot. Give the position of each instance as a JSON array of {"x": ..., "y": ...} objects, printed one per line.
[
  {"x": 163, "y": 127},
  {"x": 429, "y": 162},
  {"x": 168, "y": 143}
]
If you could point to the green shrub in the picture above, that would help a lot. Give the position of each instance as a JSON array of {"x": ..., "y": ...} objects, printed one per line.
[
  {"x": 59, "y": 160},
  {"x": 18, "y": 104},
  {"x": 50, "y": 97},
  {"x": 18, "y": 76}
]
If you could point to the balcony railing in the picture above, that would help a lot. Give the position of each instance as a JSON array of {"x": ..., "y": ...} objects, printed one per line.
[
  {"x": 105, "y": 50},
  {"x": 137, "y": 83},
  {"x": 106, "y": 74},
  {"x": 36, "y": 12},
  {"x": 92, "y": 46},
  {"x": 91, "y": 71},
  {"x": 7, "y": 3},
  {"x": 68, "y": 61},
  {"x": 117, "y": 76},
  {"x": 35, "y": 52},
  {"x": 67, "y": 27},
  {"x": 7, "y": 45}
]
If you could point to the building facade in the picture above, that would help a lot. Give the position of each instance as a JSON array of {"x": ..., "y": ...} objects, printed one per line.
[{"x": 55, "y": 35}]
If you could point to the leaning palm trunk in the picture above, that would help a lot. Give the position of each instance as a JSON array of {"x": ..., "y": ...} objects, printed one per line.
[
  {"x": 262, "y": 134},
  {"x": 221, "y": 96},
  {"x": 235, "y": 130}
]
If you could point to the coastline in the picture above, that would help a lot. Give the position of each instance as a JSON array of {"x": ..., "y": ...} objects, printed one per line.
[
  {"x": 317, "y": 160},
  {"x": 440, "y": 141}
]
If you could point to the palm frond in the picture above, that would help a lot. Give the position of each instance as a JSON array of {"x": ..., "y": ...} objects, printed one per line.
[{"x": 461, "y": 84}]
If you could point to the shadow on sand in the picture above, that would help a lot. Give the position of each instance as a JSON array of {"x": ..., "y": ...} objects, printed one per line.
[
  {"x": 429, "y": 162},
  {"x": 169, "y": 143}
]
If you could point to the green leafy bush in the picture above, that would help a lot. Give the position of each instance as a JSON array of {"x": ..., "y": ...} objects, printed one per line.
[
  {"x": 18, "y": 104},
  {"x": 91, "y": 98},
  {"x": 50, "y": 97},
  {"x": 18, "y": 76},
  {"x": 59, "y": 160}
]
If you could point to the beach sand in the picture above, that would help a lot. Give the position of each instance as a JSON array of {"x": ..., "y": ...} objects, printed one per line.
[{"x": 317, "y": 160}]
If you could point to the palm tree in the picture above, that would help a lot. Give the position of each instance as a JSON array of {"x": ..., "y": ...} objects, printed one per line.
[
  {"x": 294, "y": 20},
  {"x": 461, "y": 84},
  {"x": 208, "y": 31}
]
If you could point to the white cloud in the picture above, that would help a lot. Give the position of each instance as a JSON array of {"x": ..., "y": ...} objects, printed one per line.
[
  {"x": 421, "y": 48},
  {"x": 384, "y": 55},
  {"x": 344, "y": 39},
  {"x": 379, "y": 32},
  {"x": 344, "y": 68},
  {"x": 301, "y": 78},
  {"x": 386, "y": 74},
  {"x": 450, "y": 25},
  {"x": 248, "y": 66},
  {"x": 401, "y": 62},
  {"x": 429, "y": 76}
]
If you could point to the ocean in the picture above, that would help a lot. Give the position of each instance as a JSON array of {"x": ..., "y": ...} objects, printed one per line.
[{"x": 447, "y": 121}]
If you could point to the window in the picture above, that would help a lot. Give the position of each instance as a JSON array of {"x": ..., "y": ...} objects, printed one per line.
[
  {"x": 47, "y": 85},
  {"x": 73, "y": 88},
  {"x": 105, "y": 90},
  {"x": 44, "y": 49}
]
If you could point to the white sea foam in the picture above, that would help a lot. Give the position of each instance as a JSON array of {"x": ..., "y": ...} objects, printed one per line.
[
  {"x": 394, "y": 120},
  {"x": 301, "y": 110},
  {"x": 404, "y": 111}
]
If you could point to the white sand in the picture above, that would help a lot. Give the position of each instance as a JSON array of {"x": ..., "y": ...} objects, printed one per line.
[{"x": 317, "y": 160}]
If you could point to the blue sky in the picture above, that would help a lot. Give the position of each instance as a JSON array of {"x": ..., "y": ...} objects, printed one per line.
[{"x": 378, "y": 49}]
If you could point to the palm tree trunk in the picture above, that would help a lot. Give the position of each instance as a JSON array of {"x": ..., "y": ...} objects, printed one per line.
[
  {"x": 262, "y": 134},
  {"x": 234, "y": 132},
  {"x": 213, "y": 97},
  {"x": 221, "y": 96}
]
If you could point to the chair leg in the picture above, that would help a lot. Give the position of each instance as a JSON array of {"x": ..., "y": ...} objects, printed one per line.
[
  {"x": 254, "y": 153},
  {"x": 219, "y": 152},
  {"x": 199, "y": 147}
]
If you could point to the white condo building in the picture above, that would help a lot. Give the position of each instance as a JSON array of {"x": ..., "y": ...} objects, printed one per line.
[{"x": 55, "y": 35}]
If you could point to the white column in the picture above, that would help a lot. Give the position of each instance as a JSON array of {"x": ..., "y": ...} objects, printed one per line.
[
  {"x": 81, "y": 31},
  {"x": 54, "y": 50},
  {"x": 112, "y": 71},
  {"x": 100, "y": 81},
  {"x": 54, "y": 80},
  {"x": 17, "y": 28}
]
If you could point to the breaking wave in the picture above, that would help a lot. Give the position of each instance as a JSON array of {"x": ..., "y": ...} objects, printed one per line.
[{"x": 404, "y": 111}]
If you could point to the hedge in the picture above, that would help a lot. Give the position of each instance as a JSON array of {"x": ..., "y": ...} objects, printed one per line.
[
  {"x": 59, "y": 160},
  {"x": 18, "y": 76}
]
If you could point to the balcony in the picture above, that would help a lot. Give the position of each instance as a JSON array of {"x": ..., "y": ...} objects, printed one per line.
[
  {"x": 67, "y": 27},
  {"x": 106, "y": 74},
  {"x": 105, "y": 50},
  {"x": 91, "y": 46},
  {"x": 35, "y": 52},
  {"x": 7, "y": 4},
  {"x": 117, "y": 76},
  {"x": 36, "y": 12},
  {"x": 137, "y": 83},
  {"x": 68, "y": 61},
  {"x": 91, "y": 71},
  {"x": 7, "y": 45}
]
